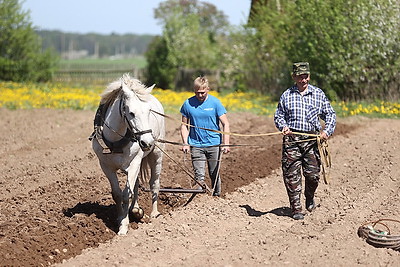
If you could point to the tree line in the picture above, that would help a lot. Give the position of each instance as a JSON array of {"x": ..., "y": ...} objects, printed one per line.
[
  {"x": 27, "y": 54},
  {"x": 353, "y": 47},
  {"x": 95, "y": 45}
]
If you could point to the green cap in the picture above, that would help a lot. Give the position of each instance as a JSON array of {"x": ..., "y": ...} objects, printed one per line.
[{"x": 301, "y": 68}]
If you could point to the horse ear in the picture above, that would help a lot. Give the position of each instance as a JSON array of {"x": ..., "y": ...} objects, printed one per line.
[{"x": 149, "y": 89}]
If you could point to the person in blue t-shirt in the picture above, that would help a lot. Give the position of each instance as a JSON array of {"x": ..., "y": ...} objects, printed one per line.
[{"x": 204, "y": 111}]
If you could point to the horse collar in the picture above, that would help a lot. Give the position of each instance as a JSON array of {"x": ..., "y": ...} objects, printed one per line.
[{"x": 116, "y": 147}]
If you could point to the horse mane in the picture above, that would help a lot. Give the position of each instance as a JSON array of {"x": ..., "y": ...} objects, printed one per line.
[{"x": 114, "y": 89}]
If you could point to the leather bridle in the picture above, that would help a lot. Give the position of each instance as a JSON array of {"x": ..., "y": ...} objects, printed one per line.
[{"x": 133, "y": 133}]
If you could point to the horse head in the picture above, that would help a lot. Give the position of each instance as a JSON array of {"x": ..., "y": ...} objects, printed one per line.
[{"x": 136, "y": 110}]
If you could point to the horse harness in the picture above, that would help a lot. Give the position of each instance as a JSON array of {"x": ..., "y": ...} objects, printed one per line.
[{"x": 132, "y": 133}]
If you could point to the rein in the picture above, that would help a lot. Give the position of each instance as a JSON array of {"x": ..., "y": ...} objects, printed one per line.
[
  {"x": 230, "y": 133},
  {"x": 322, "y": 144}
]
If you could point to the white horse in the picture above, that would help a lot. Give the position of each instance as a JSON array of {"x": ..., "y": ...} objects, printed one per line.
[{"x": 125, "y": 140}]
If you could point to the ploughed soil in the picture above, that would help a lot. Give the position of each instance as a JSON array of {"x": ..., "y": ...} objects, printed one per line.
[{"x": 56, "y": 207}]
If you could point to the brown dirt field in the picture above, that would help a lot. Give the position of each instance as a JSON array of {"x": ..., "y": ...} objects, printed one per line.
[{"x": 56, "y": 207}]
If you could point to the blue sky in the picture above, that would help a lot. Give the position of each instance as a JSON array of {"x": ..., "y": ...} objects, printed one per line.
[{"x": 114, "y": 16}]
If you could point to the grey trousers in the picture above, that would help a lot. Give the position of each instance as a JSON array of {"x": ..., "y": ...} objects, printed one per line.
[{"x": 211, "y": 155}]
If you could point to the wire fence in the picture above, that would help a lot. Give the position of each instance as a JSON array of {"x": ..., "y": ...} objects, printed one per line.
[{"x": 94, "y": 75}]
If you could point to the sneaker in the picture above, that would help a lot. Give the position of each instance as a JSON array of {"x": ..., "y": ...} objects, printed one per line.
[
  {"x": 298, "y": 216},
  {"x": 310, "y": 205}
]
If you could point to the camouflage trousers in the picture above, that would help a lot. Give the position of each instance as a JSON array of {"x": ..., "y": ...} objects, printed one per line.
[{"x": 300, "y": 157}]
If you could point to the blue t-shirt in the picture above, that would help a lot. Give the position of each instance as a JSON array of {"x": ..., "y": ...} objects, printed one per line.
[{"x": 206, "y": 115}]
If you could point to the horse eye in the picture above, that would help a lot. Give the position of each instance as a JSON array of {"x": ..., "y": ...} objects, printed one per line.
[{"x": 132, "y": 114}]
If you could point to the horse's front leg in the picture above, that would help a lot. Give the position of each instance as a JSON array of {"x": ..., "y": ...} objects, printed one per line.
[
  {"x": 116, "y": 191},
  {"x": 129, "y": 193},
  {"x": 155, "y": 162},
  {"x": 136, "y": 210}
]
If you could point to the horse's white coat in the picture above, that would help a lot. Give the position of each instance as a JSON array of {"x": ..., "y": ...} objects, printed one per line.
[{"x": 138, "y": 156}]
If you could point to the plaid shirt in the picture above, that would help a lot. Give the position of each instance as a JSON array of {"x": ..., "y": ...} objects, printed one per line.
[{"x": 302, "y": 113}]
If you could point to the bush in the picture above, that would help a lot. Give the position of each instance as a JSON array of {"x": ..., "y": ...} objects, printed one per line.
[{"x": 21, "y": 58}]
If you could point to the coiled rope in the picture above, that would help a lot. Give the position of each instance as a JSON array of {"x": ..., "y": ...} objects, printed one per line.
[{"x": 377, "y": 237}]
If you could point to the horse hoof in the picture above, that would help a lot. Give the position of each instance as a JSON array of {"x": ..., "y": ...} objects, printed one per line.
[
  {"x": 123, "y": 230},
  {"x": 137, "y": 213},
  {"x": 154, "y": 215}
]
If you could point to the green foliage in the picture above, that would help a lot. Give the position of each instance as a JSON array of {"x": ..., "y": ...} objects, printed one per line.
[
  {"x": 21, "y": 58},
  {"x": 159, "y": 69},
  {"x": 353, "y": 46},
  {"x": 192, "y": 33},
  {"x": 210, "y": 19},
  {"x": 264, "y": 64},
  {"x": 358, "y": 54}
]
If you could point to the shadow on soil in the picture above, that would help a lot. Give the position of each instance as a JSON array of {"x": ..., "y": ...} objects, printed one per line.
[
  {"x": 105, "y": 213},
  {"x": 282, "y": 211}
]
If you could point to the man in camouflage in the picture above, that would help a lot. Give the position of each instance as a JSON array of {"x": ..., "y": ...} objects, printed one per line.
[{"x": 299, "y": 109}]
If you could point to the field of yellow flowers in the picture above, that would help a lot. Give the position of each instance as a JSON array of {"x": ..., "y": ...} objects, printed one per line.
[{"x": 58, "y": 96}]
